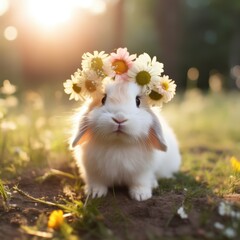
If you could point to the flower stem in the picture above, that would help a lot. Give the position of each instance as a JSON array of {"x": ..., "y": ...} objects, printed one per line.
[{"x": 40, "y": 200}]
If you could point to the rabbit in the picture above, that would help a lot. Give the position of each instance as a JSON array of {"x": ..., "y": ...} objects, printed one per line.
[{"x": 119, "y": 140}]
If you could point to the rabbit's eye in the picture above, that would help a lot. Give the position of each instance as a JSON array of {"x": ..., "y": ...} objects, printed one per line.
[
  {"x": 138, "y": 101},
  {"x": 104, "y": 99}
]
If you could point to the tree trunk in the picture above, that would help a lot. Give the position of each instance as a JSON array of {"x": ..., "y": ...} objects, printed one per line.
[{"x": 169, "y": 17}]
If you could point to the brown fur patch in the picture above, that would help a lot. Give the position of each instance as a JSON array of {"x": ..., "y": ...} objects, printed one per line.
[
  {"x": 85, "y": 137},
  {"x": 97, "y": 102},
  {"x": 155, "y": 141}
]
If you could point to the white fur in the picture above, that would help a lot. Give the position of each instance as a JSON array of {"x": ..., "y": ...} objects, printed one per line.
[{"x": 124, "y": 158}]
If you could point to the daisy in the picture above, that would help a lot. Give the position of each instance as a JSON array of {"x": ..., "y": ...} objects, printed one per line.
[
  {"x": 73, "y": 87},
  {"x": 155, "y": 98},
  {"x": 219, "y": 225},
  {"x": 230, "y": 232},
  {"x": 98, "y": 61},
  {"x": 143, "y": 74},
  {"x": 167, "y": 88},
  {"x": 121, "y": 62},
  {"x": 146, "y": 59},
  {"x": 181, "y": 212},
  {"x": 91, "y": 83},
  {"x": 224, "y": 209}
]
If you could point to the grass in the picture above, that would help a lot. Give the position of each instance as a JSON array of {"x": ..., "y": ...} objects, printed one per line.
[
  {"x": 209, "y": 136},
  {"x": 207, "y": 125},
  {"x": 4, "y": 196}
]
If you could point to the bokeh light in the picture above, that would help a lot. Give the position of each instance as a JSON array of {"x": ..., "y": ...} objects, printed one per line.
[
  {"x": 235, "y": 71},
  {"x": 238, "y": 83},
  {"x": 193, "y": 74},
  {"x": 95, "y": 6},
  {"x": 10, "y": 33},
  {"x": 8, "y": 88},
  {"x": 4, "y": 6},
  {"x": 215, "y": 82},
  {"x": 98, "y": 7}
]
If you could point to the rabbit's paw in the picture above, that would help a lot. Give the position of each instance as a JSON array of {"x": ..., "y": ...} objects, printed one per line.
[
  {"x": 154, "y": 183},
  {"x": 96, "y": 191},
  {"x": 140, "y": 193}
]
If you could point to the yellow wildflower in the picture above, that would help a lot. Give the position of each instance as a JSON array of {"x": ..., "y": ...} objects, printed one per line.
[
  {"x": 55, "y": 219},
  {"x": 235, "y": 164}
]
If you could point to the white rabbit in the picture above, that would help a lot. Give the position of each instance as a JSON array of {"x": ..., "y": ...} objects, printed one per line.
[{"x": 120, "y": 141}]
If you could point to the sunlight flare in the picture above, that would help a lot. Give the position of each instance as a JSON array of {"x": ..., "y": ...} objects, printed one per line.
[
  {"x": 49, "y": 13},
  {"x": 4, "y": 6}
]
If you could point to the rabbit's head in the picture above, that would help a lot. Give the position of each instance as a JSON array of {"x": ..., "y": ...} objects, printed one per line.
[{"x": 120, "y": 116}]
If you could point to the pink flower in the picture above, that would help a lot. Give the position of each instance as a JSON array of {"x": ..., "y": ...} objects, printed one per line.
[{"x": 121, "y": 62}]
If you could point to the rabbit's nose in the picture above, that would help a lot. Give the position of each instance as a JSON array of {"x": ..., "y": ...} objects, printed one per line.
[
  {"x": 119, "y": 118},
  {"x": 119, "y": 121}
]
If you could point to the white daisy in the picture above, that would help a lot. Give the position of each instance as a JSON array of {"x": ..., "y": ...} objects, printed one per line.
[
  {"x": 219, "y": 225},
  {"x": 167, "y": 88},
  {"x": 91, "y": 83},
  {"x": 224, "y": 209},
  {"x": 155, "y": 98},
  {"x": 144, "y": 74},
  {"x": 230, "y": 232},
  {"x": 98, "y": 61},
  {"x": 73, "y": 87},
  {"x": 181, "y": 212},
  {"x": 146, "y": 59}
]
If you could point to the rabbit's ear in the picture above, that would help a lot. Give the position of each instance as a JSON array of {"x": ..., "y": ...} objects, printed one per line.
[
  {"x": 156, "y": 135},
  {"x": 83, "y": 133}
]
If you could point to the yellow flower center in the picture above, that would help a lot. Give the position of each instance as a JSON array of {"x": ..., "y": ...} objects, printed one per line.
[
  {"x": 120, "y": 66},
  {"x": 90, "y": 85},
  {"x": 155, "y": 95},
  {"x": 76, "y": 88},
  {"x": 143, "y": 78},
  {"x": 165, "y": 86},
  {"x": 55, "y": 219},
  {"x": 97, "y": 64}
]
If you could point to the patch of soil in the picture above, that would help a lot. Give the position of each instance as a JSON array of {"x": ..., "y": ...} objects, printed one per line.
[
  {"x": 126, "y": 218},
  {"x": 155, "y": 217},
  {"x": 24, "y": 211}
]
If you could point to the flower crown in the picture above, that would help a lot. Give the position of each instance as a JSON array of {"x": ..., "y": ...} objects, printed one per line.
[{"x": 99, "y": 67}]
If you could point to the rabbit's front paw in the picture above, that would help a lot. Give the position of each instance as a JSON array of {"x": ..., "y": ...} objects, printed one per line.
[
  {"x": 96, "y": 191},
  {"x": 140, "y": 193}
]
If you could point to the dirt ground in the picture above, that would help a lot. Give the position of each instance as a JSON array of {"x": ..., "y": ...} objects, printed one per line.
[
  {"x": 23, "y": 211},
  {"x": 127, "y": 219}
]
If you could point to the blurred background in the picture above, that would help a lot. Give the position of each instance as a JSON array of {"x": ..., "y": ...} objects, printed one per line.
[{"x": 42, "y": 41}]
